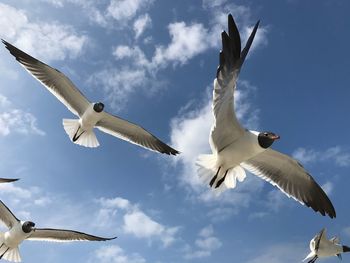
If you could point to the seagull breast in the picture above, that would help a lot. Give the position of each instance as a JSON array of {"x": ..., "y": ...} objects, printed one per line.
[
  {"x": 90, "y": 117},
  {"x": 240, "y": 150}
]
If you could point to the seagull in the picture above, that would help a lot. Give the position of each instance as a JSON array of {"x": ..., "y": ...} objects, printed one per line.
[
  {"x": 236, "y": 149},
  {"x": 25, "y": 230},
  {"x": 91, "y": 115},
  {"x": 321, "y": 247}
]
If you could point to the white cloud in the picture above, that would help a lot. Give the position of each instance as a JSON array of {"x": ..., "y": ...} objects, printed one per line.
[
  {"x": 124, "y": 10},
  {"x": 205, "y": 244},
  {"x": 141, "y": 24},
  {"x": 187, "y": 41},
  {"x": 136, "y": 222},
  {"x": 115, "y": 254},
  {"x": 336, "y": 154},
  {"x": 50, "y": 41},
  {"x": 16, "y": 120}
]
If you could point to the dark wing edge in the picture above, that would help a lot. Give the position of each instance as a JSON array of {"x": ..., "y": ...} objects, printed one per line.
[
  {"x": 231, "y": 57},
  {"x": 318, "y": 237},
  {"x": 133, "y": 133},
  {"x": 6, "y": 215},
  {"x": 8, "y": 180},
  {"x": 323, "y": 205},
  {"x": 63, "y": 235}
]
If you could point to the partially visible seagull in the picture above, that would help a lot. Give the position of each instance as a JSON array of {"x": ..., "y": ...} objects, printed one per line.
[
  {"x": 321, "y": 247},
  {"x": 91, "y": 115},
  {"x": 25, "y": 230},
  {"x": 8, "y": 180},
  {"x": 235, "y": 148}
]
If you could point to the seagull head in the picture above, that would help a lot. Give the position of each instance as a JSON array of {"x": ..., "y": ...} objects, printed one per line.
[
  {"x": 28, "y": 226},
  {"x": 99, "y": 106},
  {"x": 266, "y": 139}
]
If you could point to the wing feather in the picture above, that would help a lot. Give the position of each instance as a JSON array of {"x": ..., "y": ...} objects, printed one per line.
[
  {"x": 55, "y": 81},
  {"x": 291, "y": 178},
  {"x": 6, "y": 216},
  {"x": 133, "y": 133},
  {"x": 62, "y": 235},
  {"x": 226, "y": 127}
]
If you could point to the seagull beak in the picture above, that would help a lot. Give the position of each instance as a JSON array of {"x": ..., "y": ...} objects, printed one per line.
[{"x": 275, "y": 137}]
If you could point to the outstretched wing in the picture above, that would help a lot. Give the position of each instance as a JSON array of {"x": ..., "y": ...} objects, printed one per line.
[
  {"x": 61, "y": 235},
  {"x": 133, "y": 133},
  {"x": 55, "y": 81},
  {"x": 6, "y": 216},
  {"x": 8, "y": 180},
  {"x": 291, "y": 178},
  {"x": 226, "y": 127}
]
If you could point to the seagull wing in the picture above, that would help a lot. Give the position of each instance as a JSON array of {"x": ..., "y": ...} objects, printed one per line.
[
  {"x": 291, "y": 178},
  {"x": 55, "y": 81},
  {"x": 6, "y": 216},
  {"x": 133, "y": 133},
  {"x": 320, "y": 237},
  {"x": 61, "y": 235},
  {"x": 226, "y": 127},
  {"x": 8, "y": 180}
]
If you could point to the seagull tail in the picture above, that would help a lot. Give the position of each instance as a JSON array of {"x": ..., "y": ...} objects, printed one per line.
[
  {"x": 12, "y": 254},
  {"x": 86, "y": 138},
  {"x": 218, "y": 179},
  {"x": 206, "y": 167},
  {"x": 309, "y": 257}
]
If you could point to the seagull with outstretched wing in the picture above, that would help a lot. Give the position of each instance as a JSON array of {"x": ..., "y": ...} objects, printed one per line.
[
  {"x": 321, "y": 247},
  {"x": 236, "y": 149},
  {"x": 90, "y": 115},
  {"x": 25, "y": 230}
]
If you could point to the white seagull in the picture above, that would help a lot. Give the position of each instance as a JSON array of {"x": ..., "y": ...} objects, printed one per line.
[
  {"x": 321, "y": 247},
  {"x": 91, "y": 115},
  {"x": 25, "y": 230},
  {"x": 235, "y": 148}
]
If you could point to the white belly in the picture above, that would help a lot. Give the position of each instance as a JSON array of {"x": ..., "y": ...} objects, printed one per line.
[
  {"x": 15, "y": 236},
  {"x": 239, "y": 151},
  {"x": 89, "y": 118}
]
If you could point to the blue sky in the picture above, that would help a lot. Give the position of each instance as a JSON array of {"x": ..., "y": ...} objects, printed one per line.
[{"x": 153, "y": 63}]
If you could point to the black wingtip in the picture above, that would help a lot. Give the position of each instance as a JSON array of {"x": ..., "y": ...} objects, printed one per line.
[{"x": 8, "y": 180}]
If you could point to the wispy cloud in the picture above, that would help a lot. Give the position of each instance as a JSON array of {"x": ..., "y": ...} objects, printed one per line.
[
  {"x": 204, "y": 245},
  {"x": 280, "y": 253},
  {"x": 141, "y": 24},
  {"x": 187, "y": 40},
  {"x": 115, "y": 254},
  {"x": 49, "y": 41},
  {"x": 136, "y": 222},
  {"x": 124, "y": 10},
  {"x": 16, "y": 120},
  {"x": 336, "y": 154}
]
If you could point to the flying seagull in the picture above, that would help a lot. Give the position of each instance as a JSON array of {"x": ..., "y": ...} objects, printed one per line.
[
  {"x": 25, "y": 230},
  {"x": 91, "y": 115},
  {"x": 236, "y": 149},
  {"x": 321, "y": 247}
]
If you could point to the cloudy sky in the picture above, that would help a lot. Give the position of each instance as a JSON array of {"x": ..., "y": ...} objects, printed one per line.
[{"x": 153, "y": 62}]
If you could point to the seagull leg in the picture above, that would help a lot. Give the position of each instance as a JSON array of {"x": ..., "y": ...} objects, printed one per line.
[
  {"x": 214, "y": 178},
  {"x": 221, "y": 180},
  {"x": 313, "y": 259},
  {"x": 76, "y": 136},
  {"x": 4, "y": 252}
]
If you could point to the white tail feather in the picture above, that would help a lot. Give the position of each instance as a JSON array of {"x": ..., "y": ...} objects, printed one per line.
[
  {"x": 207, "y": 168},
  {"x": 87, "y": 138},
  {"x": 12, "y": 255}
]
